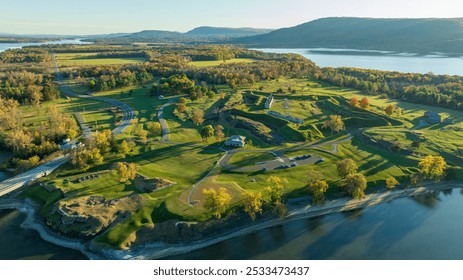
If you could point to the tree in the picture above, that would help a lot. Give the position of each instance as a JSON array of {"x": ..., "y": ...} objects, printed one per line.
[
  {"x": 218, "y": 132},
  {"x": 354, "y": 102},
  {"x": 154, "y": 128},
  {"x": 207, "y": 132},
  {"x": 252, "y": 204},
  {"x": 280, "y": 209},
  {"x": 181, "y": 107},
  {"x": 80, "y": 158},
  {"x": 100, "y": 139},
  {"x": 143, "y": 134},
  {"x": 391, "y": 183},
  {"x": 182, "y": 100},
  {"x": 198, "y": 117},
  {"x": 433, "y": 167},
  {"x": 126, "y": 171},
  {"x": 317, "y": 186},
  {"x": 335, "y": 123},
  {"x": 275, "y": 188},
  {"x": 364, "y": 103},
  {"x": 72, "y": 133},
  {"x": 389, "y": 110},
  {"x": 346, "y": 167},
  {"x": 217, "y": 202},
  {"x": 124, "y": 148},
  {"x": 356, "y": 185},
  {"x": 95, "y": 156}
]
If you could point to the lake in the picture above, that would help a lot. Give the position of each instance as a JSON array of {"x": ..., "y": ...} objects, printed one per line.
[
  {"x": 389, "y": 61},
  {"x": 427, "y": 227},
  {"x": 6, "y": 46},
  {"x": 19, "y": 243}
]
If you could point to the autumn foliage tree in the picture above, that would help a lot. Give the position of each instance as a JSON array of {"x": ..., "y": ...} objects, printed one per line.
[
  {"x": 275, "y": 190},
  {"x": 432, "y": 167},
  {"x": 356, "y": 185},
  {"x": 154, "y": 128},
  {"x": 218, "y": 132},
  {"x": 216, "y": 201},
  {"x": 335, "y": 123},
  {"x": 364, "y": 103},
  {"x": 391, "y": 183},
  {"x": 346, "y": 167},
  {"x": 126, "y": 171},
  {"x": 317, "y": 186},
  {"x": 354, "y": 102},
  {"x": 198, "y": 117},
  {"x": 253, "y": 203},
  {"x": 389, "y": 110}
]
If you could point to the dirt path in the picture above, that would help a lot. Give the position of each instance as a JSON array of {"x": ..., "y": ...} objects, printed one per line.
[{"x": 162, "y": 121}]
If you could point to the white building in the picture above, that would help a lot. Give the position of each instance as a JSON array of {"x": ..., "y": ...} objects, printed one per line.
[{"x": 236, "y": 141}]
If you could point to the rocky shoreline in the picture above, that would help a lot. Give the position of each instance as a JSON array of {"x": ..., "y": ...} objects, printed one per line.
[{"x": 160, "y": 250}]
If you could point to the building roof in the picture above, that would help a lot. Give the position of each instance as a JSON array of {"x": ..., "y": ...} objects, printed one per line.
[{"x": 237, "y": 138}]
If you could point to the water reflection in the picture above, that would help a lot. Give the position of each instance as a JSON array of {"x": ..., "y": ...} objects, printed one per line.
[{"x": 423, "y": 227}]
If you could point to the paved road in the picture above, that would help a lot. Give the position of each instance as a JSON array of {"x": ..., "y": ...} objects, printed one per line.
[
  {"x": 128, "y": 113},
  {"x": 27, "y": 177},
  {"x": 162, "y": 121}
]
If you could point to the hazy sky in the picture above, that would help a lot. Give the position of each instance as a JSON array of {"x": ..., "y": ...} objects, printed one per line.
[{"x": 108, "y": 16}]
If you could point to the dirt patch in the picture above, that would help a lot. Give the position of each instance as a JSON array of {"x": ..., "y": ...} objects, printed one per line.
[
  {"x": 89, "y": 215},
  {"x": 150, "y": 185}
]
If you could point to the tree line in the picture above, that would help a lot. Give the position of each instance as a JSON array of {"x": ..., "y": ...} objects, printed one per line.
[{"x": 429, "y": 89}]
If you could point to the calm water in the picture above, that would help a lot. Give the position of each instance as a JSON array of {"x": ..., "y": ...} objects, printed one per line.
[
  {"x": 19, "y": 243},
  {"x": 430, "y": 227},
  {"x": 6, "y": 46},
  {"x": 437, "y": 64}
]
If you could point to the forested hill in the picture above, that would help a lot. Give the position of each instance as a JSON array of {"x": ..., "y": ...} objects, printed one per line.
[
  {"x": 226, "y": 31},
  {"x": 404, "y": 35}
]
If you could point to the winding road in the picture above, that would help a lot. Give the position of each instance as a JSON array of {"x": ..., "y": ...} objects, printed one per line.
[
  {"x": 128, "y": 113},
  {"x": 45, "y": 169}
]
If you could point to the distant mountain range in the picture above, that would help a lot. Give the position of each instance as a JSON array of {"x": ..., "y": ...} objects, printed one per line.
[
  {"x": 403, "y": 35},
  {"x": 400, "y": 35},
  {"x": 199, "y": 34},
  {"x": 227, "y": 31}
]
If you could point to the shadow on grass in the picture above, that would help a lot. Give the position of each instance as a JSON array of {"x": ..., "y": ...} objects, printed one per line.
[{"x": 162, "y": 213}]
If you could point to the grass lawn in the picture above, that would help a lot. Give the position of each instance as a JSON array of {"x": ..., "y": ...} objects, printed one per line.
[
  {"x": 99, "y": 120},
  {"x": 245, "y": 158},
  {"x": 218, "y": 62}
]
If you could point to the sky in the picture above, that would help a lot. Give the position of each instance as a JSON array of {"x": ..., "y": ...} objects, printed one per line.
[{"x": 83, "y": 17}]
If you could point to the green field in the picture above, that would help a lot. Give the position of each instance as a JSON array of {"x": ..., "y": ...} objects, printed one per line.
[
  {"x": 209, "y": 63},
  {"x": 187, "y": 159},
  {"x": 85, "y": 59}
]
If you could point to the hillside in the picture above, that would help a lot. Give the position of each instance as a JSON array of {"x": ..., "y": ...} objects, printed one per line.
[
  {"x": 407, "y": 35},
  {"x": 227, "y": 31},
  {"x": 155, "y": 34}
]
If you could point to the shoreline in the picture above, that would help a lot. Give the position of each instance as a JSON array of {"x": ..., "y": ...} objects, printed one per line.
[{"x": 161, "y": 250}]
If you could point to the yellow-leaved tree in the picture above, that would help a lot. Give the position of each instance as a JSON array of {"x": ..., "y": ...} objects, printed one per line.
[
  {"x": 433, "y": 167},
  {"x": 217, "y": 201}
]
